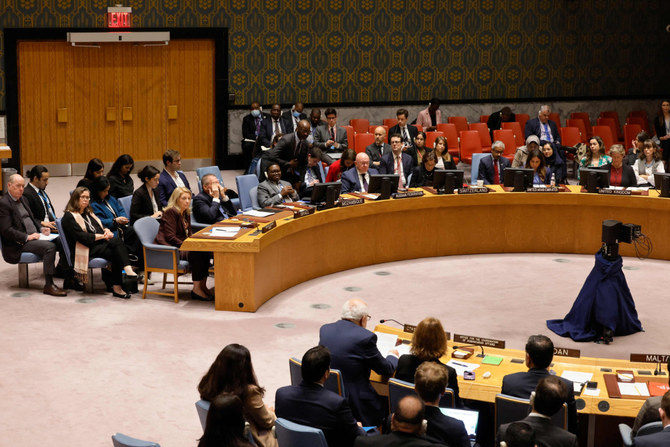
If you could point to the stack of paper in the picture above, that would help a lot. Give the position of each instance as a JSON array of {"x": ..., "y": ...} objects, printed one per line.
[
  {"x": 225, "y": 231},
  {"x": 385, "y": 342},
  {"x": 256, "y": 213},
  {"x": 633, "y": 389}
]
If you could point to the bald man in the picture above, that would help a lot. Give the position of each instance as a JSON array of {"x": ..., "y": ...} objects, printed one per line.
[
  {"x": 379, "y": 148},
  {"x": 358, "y": 179},
  {"x": 354, "y": 351}
]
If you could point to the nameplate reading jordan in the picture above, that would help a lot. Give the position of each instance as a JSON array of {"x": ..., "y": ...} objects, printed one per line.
[
  {"x": 542, "y": 189},
  {"x": 567, "y": 352},
  {"x": 351, "y": 202},
  {"x": 269, "y": 227},
  {"x": 408, "y": 194},
  {"x": 300, "y": 213},
  {"x": 475, "y": 190},
  {"x": 615, "y": 192},
  {"x": 649, "y": 358},
  {"x": 479, "y": 341}
]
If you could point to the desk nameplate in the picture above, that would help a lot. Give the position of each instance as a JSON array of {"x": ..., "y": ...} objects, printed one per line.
[{"x": 479, "y": 341}]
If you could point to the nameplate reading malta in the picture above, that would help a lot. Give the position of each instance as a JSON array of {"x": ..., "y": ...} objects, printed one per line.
[
  {"x": 479, "y": 341},
  {"x": 474, "y": 190},
  {"x": 649, "y": 358}
]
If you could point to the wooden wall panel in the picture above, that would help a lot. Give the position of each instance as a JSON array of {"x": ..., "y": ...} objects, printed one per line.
[
  {"x": 95, "y": 88},
  {"x": 43, "y": 85},
  {"x": 190, "y": 86},
  {"x": 143, "y": 84}
]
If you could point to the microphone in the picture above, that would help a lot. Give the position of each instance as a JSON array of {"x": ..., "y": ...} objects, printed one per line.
[
  {"x": 657, "y": 371},
  {"x": 471, "y": 346},
  {"x": 410, "y": 328},
  {"x": 391, "y": 319}
]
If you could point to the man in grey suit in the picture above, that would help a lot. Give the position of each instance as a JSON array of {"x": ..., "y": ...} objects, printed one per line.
[
  {"x": 661, "y": 438},
  {"x": 378, "y": 149},
  {"x": 547, "y": 399},
  {"x": 274, "y": 191},
  {"x": 332, "y": 138}
]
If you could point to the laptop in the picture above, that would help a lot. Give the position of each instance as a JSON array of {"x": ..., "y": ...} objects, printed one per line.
[{"x": 470, "y": 419}]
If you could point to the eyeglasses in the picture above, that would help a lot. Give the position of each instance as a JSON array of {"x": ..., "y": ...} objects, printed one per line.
[
  {"x": 368, "y": 317},
  {"x": 85, "y": 197}
]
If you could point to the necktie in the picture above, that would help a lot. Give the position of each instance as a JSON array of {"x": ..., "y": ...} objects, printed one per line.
[
  {"x": 332, "y": 133},
  {"x": 276, "y": 128},
  {"x": 398, "y": 170},
  {"x": 47, "y": 206},
  {"x": 496, "y": 173},
  {"x": 406, "y": 134},
  {"x": 365, "y": 183},
  {"x": 258, "y": 126},
  {"x": 547, "y": 133}
]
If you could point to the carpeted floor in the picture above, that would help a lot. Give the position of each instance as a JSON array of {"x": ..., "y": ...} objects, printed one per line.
[{"x": 75, "y": 372}]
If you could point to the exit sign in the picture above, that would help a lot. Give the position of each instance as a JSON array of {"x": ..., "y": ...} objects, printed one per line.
[{"x": 119, "y": 16}]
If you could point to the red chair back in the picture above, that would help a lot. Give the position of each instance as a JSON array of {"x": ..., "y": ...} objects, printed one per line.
[
  {"x": 507, "y": 137},
  {"x": 617, "y": 123},
  {"x": 419, "y": 127},
  {"x": 360, "y": 125},
  {"x": 470, "y": 144},
  {"x": 555, "y": 117},
  {"x": 570, "y": 136},
  {"x": 579, "y": 124},
  {"x": 587, "y": 122},
  {"x": 430, "y": 138},
  {"x": 642, "y": 122},
  {"x": 350, "y": 136},
  {"x": 460, "y": 122},
  {"x": 451, "y": 133},
  {"x": 390, "y": 122},
  {"x": 484, "y": 135},
  {"x": 484, "y": 118},
  {"x": 515, "y": 126},
  {"x": 521, "y": 118},
  {"x": 630, "y": 131},
  {"x": 372, "y": 129},
  {"x": 604, "y": 132},
  {"x": 609, "y": 122},
  {"x": 362, "y": 141}
]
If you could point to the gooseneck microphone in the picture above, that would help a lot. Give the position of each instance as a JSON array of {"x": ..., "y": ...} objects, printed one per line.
[
  {"x": 391, "y": 319},
  {"x": 481, "y": 355}
]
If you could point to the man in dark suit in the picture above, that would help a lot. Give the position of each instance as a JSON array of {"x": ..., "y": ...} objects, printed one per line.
[
  {"x": 312, "y": 174},
  {"x": 315, "y": 121},
  {"x": 331, "y": 138},
  {"x": 378, "y": 148},
  {"x": 649, "y": 410},
  {"x": 492, "y": 167},
  {"x": 406, "y": 427},
  {"x": 171, "y": 176},
  {"x": 251, "y": 129},
  {"x": 358, "y": 179},
  {"x": 406, "y": 131},
  {"x": 212, "y": 204},
  {"x": 272, "y": 126},
  {"x": 544, "y": 128},
  {"x": 539, "y": 354},
  {"x": 430, "y": 381},
  {"x": 293, "y": 116},
  {"x": 21, "y": 233},
  {"x": 496, "y": 119},
  {"x": 519, "y": 434},
  {"x": 397, "y": 161},
  {"x": 354, "y": 352},
  {"x": 662, "y": 438},
  {"x": 311, "y": 404},
  {"x": 547, "y": 400}
]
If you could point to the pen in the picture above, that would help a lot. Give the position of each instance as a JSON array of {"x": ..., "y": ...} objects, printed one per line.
[{"x": 460, "y": 364}]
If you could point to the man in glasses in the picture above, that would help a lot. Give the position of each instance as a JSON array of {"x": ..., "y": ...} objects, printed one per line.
[{"x": 491, "y": 168}]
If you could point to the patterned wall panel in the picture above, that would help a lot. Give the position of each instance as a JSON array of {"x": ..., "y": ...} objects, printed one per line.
[{"x": 401, "y": 50}]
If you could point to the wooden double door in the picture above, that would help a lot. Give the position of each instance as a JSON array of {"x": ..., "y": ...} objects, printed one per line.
[{"x": 76, "y": 103}]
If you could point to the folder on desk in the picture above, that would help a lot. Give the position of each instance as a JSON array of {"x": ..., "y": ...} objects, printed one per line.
[
  {"x": 658, "y": 388},
  {"x": 492, "y": 360}
]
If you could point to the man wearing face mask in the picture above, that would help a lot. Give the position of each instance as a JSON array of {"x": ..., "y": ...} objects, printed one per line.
[
  {"x": 293, "y": 116},
  {"x": 251, "y": 129}
]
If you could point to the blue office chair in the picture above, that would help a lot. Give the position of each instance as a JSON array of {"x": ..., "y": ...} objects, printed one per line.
[
  {"x": 201, "y": 172},
  {"x": 334, "y": 383},
  {"x": 253, "y": 196},
  {"x": 121, "y": 440},
  {"x": 202, "y": 406},
  {"x": 244, "y": 185},
  {"x": 399, "y": 389},
  {"x": 647, "y": 429},
  {"x": 94, "y": 263},
  {"x": 159, "y": 258},
  {"x": 26, "y": 258},
  {"x": 475, "y": 167},
  {"x": 291, "y": 434},
  {"x": 125, "y": 203}
]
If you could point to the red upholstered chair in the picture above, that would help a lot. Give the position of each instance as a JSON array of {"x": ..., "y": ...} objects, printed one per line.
[
  {"x": 579, "y": 124},
  {"x": 350, "y": 136},
  {"x": 363, "y": 140},
  {"x": 484, "y": 135},
  {"x": 630, "y": 131},
  {"x": 555, "y": 117},
  {"x": 570, "y": 136},
  {"x": 587, "y": 122},
  {"x": 360, "y": 125},
  {"x": 470, "y": 144},
  {"x": 484, "y": 118},
  {"x": 371, "y": 130},
  {"x": 521, "y": 118},
  {"x": 515, "y": 126},
  {"x": 639, "y": 113},
  {"x": 604, "y": 132},
  {"x": 419, "y": 127},
  {"x": 390, "y": 122},
  {"x": 617, "y": 123},
  {"x": 430, "y": 138},
  {"x": 460, "y": 122},
  {"x": 507, "y": 137},
  {"x": 642, "y": 122},
  {"x": 451, "y": 133},
  {"x": 609, "y": 122}
]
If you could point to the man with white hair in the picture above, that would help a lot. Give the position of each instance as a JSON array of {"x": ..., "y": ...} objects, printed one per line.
[
  {"x": 354, "y": 352},
  {"x": 545, "y": 129}
]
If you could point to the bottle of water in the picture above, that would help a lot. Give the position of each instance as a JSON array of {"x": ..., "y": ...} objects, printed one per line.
[{"x": 553, "y": 179}]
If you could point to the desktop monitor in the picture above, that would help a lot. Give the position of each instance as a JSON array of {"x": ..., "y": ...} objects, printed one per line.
[
  {"x": 592, "y": 179},
  {"x": 325, "y": 193},
  {"x": 518, "y": 178},
  {"x": 384, "y": 185},
  {"x": 469, "y": 418},
  {"x": 446, "y": 180},
  {"x": 662, "y": 182}
]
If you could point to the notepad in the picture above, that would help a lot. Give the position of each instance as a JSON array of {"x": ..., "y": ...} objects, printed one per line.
[
  {"x": 492, "y": 360},
  {"x": 633, "y": 389},
  {"x": 256, "y": 213},
  {"x": 385, "y": 342}
]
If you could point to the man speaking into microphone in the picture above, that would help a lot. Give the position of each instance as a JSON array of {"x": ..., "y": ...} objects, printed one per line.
[{"x": 353, "y": 350}]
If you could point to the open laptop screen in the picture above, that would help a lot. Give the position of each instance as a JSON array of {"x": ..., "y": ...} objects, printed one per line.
[{"x": 470, "y": 419}]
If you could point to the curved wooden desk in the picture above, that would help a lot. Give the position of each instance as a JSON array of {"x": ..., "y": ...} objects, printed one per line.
[{"x": 252, "y": 269}]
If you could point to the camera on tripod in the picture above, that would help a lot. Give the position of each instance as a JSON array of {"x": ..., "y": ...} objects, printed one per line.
[{"x": 615, "y": 232}]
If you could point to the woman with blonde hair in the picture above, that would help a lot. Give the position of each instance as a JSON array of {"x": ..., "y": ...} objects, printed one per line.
[
  {"x": 444, "y": 160},
  {"x": 175, "y": 227},
  {"x": 429, "y": 344}
]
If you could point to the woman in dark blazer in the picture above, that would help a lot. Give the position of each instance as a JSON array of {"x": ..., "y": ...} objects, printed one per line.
[
  {"x": 119, "y": 177},
  {"x": 429, "y": 344},
  {"x": 620, "y": 174},
  {"x": 145, "y": 201},
  {"x": 88, "y": 238},
  {"x": 662, "y": 128},
  {"x": 422, "y": 175},
  {"x": 175, "y": 227}
]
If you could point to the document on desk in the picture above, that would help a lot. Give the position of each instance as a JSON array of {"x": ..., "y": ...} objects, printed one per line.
[
  {"x": 386, "y": 342},
  {"x": 633, "y": 389},
  {"x": 225, "y": 230},
  {"x": 255, "y": 213},
  {"x": 461, "y": 367},
  {"x": 577, "y": 378}
]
